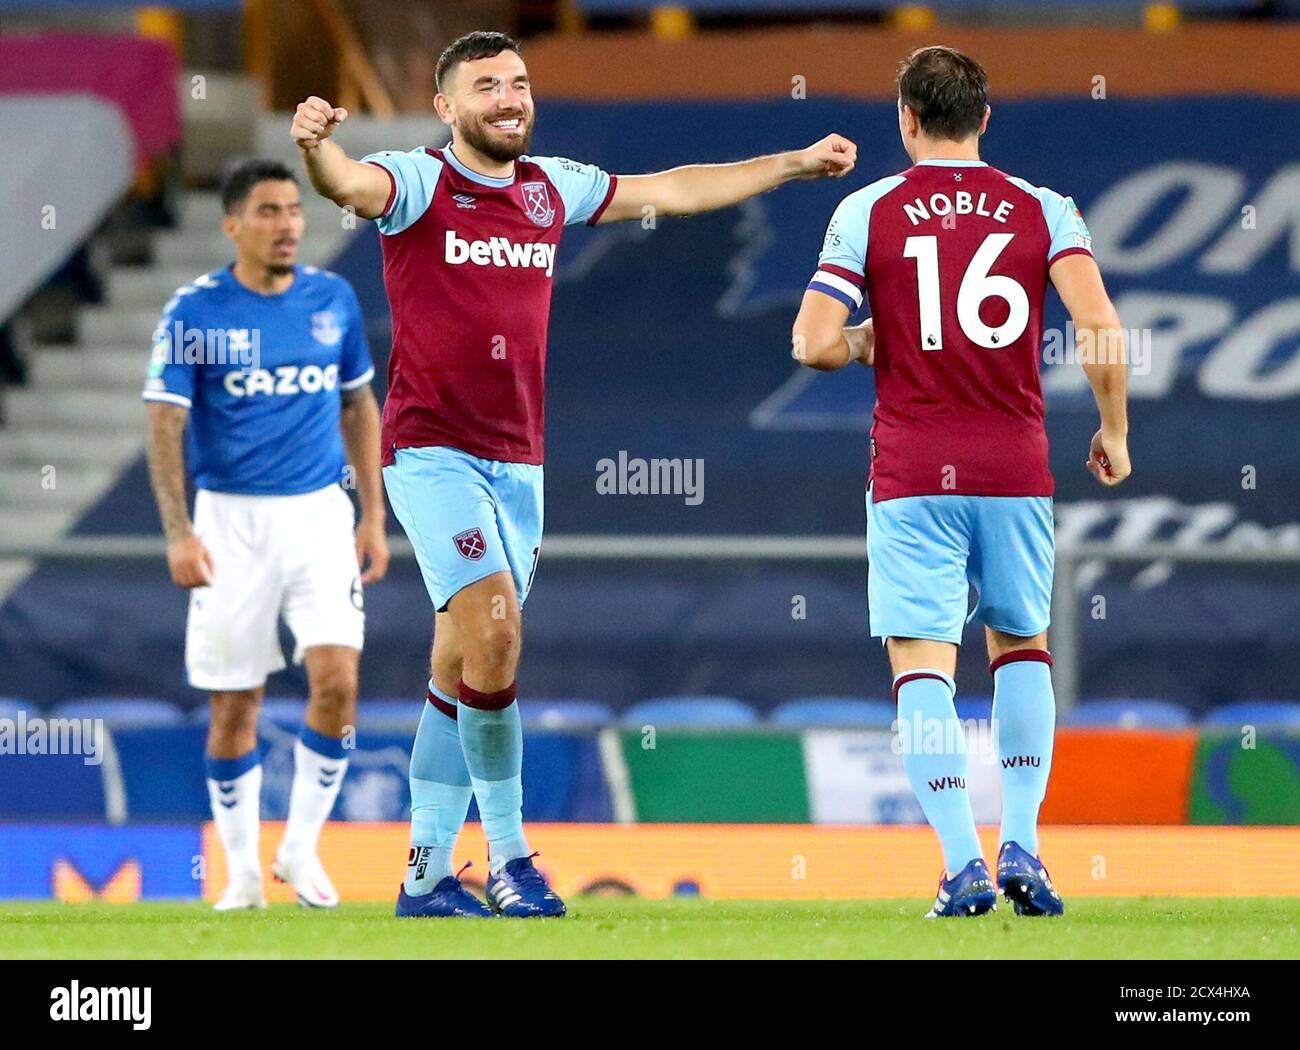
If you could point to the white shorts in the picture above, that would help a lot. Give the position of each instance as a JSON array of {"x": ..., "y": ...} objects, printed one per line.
[{"x": 272, "y": 555}]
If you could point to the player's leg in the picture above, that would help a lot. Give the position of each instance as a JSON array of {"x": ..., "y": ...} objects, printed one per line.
[
  {"x": 490, "y": 728},
  {"x": 234, "y": 775},
  {"x": 320, "y": 763},
  {"x": 917, "y": 595},
  {"x": 934, "y": 743},
  {"x": 440, "y": 790},
  {"x": 1014, "y": 576},
  {"x": 324, "y": 607},
  {"x": 230, "y": 647},
  {"x": 445, "y": 503}
]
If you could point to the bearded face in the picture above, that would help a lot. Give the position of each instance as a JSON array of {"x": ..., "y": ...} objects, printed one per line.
[{"x": 502, "y": 133}]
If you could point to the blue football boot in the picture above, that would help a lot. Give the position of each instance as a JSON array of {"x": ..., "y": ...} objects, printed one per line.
[
  {"x": 969, "y": 892},
  {"x": 520, "y": 891},
  {"x": 1024, "y": 881},
  {"x": 448, "y": 899}
]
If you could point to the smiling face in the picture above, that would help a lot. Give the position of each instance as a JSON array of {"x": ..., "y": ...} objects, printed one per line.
[
  {"x": 268, "y": 226},
  {"x": 488, "y": 103}
]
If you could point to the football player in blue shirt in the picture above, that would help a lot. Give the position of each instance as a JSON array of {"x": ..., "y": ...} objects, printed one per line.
[{"x": 267, "y": 363}]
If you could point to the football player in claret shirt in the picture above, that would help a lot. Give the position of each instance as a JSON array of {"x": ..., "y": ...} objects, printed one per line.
[
  {"x": 469, "y": 235},
  {"x": 954, "y": 258}
]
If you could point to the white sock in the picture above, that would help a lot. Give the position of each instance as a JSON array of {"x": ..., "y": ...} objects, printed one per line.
[
  {"x": 316, "y": 782},
  {"x": 236, "y": 809}
]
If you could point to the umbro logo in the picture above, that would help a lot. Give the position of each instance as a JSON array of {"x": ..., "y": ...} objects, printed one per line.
[{"x": 464, "y": 200}]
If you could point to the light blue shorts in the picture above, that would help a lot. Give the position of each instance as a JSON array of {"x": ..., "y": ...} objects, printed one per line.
[
  {"x": 467, "y": 518},
  {"x": 926, "y": 552}
]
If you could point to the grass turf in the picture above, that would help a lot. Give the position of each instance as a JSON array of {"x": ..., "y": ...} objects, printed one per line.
[{"x": 608, "y": 927}]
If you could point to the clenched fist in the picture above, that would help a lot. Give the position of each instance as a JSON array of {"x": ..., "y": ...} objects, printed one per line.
[
  {"x": 314, "y": 121},
  {"x": 190, "y": 562},
  {"x": 834, "y": 156}
]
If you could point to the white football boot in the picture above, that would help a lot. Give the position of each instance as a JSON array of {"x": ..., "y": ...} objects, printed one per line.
[
  {"x": 304, "y": 873},
  {"x": 242, "y": 894}
]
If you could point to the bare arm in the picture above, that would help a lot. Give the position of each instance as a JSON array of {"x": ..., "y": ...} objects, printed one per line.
[
  {"x": 348, "y": 183},
  {"x": 706, "y": 187},
  {"x": 188, "y": 559},
  {"x": 359, "y": 422},
  {"x": 1099, "y": 343},
  {"x": 821, "y": 341}
]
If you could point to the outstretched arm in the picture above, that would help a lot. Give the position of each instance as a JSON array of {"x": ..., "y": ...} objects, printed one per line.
[
  {"x": 348, "y": 183},
  {"x": 1099, "y": 343},
  {"x": 706, "y": 187},
  {"x": 821, "y": 341}
]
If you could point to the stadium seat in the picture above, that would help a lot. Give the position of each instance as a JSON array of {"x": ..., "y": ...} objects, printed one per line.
[
  {"x": 1272, "y": 713},
  {"x": 673, "y": 711},
  {"x": 284, "y": 710},
  {"x": 1129, "y": 714},
  {"x": 974, "y": 708},
  {"x": 565, "y": 714},
  {"x": 123, "y": 712},
  {"x": 372, "y": 714},
  {"x": 838, "y": 711}
]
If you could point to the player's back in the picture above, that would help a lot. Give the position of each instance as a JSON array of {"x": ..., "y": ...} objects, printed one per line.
[{"x": 954, "y": 258}]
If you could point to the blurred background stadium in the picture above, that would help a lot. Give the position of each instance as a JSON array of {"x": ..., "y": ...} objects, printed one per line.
[{"x": 734, "y": 625}]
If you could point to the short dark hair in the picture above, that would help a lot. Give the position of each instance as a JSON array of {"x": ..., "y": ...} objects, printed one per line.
[
  {"x": 947, "y": 90},
  {"x": 478, "y": 44},
  {"x": 241, "y": 179}
]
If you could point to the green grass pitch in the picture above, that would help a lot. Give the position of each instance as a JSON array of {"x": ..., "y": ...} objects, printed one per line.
[{"x": 605, "y": 927}]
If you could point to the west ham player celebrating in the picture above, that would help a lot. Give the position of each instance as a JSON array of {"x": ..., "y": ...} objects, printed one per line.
[
  {"x": 268, "y": 362},
  {"x": 470, "y": 233},
  {"x": 954, "y": 258}
]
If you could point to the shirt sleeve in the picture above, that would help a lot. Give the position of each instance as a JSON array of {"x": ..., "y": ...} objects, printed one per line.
[
  {"x": 356, "y": 369},
  {"x": 1068, "y": 231},
  {"x": 585, "y": 189},
  {"x": 412, "y": 179},
  {"x": 842, "y": 265},
  {"x": 172, "y": 372}
]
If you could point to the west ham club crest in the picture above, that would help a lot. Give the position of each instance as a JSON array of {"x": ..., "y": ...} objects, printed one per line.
[
  {"x": 470, "y": 544},
  {"x": 537, "y": 202}
]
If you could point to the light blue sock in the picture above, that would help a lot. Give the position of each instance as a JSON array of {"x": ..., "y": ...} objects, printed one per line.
[
  {"x": 493, "y": 742},
  {"x": 440, "y": 794},
  {"x": 934, "y": 755},
  {"x": 1024, "y": 714}
]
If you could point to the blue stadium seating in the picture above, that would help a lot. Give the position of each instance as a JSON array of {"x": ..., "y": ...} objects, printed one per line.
[
  {"x": 1129, "y": 714},
  {"x": 974, "y": 708},
  {"x": 284, "y": 711},
  {"x": 401, "y": 712},
  {"x": 565, "y": 714},
  {"x": 675, "y": 711},
  {"x": 838, "y": 711},
  {"x": 123, "y": 712},
  {"x": 1257, "y": 713}
]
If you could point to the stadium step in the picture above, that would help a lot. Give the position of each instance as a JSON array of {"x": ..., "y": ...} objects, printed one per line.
[
  {"x": 90, "y": 407},
  {"x": 120, "y": 326},
  {"x": 52, "y": 486},
  {"x": 69, "y": 446},
  {"x": 105, "y": 366}
]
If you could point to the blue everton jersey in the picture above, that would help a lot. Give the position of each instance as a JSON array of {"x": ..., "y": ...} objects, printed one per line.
[{"x": 261, "y": 376}]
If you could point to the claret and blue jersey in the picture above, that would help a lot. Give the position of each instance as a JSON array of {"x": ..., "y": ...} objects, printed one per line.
[
  {"x": 952, "y": 256},
  {"x": 469, "y": 265},
  {"x": 262, "y": 377}
]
